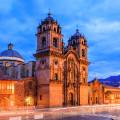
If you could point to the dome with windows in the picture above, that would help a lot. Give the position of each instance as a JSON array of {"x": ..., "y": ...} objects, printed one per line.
[{"x": 11, "y": 55}]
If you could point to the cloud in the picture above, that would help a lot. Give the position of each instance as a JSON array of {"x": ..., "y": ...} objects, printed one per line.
[
  {"x": 102, "y": 26},
  {"x": 103, "y": 69},
  {"x": 99, "y": 20}
]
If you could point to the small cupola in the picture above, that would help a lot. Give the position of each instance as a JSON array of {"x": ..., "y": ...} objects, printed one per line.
[{"x": 10, "y": 46}]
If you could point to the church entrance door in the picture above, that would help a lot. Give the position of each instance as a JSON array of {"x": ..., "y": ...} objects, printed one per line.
[{"x": 71, "y": 101}]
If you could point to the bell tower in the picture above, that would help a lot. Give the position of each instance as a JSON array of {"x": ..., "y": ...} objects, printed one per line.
[
  {"x": 49, "y": 63},
  {"x": 49, "y": 35},
  {"x": 79, "y": 44}
]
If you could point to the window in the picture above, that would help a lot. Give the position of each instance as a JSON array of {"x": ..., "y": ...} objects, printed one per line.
[
  {"x": 55, "y": 29},
  {"x": 40, "y": 97},
  {"x": 58, "y": 30},
  {"x": 55, "y": 44},
  {"x": 74, "y": 43},
  {"x": 43, "y": 29},
  {"x": 83, "y": 42},
  {"x": 83, "y": 68},
  {"x": 56, "y": 62},
  {"x": 96, "y": 100},
  {"x": 49, "y": 27},
  {"x": 43, "y": 42},
  {"x": 84, "y": 80},
  {"x": 43, "y": 61},
  {"x": 83, "y": 52},
  {"x": 56, "y": 76},
  {"x": 30, "y": 85},
  {"x": 22, "y": 72},
  {"x": 27, "y": 73}
]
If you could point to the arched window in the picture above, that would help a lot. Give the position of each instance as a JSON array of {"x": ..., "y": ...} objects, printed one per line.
[
  {"x": 83, "y": 42},
  {"x": 56, "y": 62},
  {"x": 74, "y": 43},
  {"x": 83, "y": 68},
  {"x": 84, "y": 80},
  {"x": 43, "y": 29},
  {"x": 55, "y": 42},
  {"x": 43, "y": 61},
  {"x": 40, "y": 97},
  {"x": 83, "y": 53},
  {"x": 55, "y": 29},
  {"x": 49, "y": 27},
  {"x": 58, "y": 31},
  {"x": 43, "y": 42},
  {"x": 27, "y": 73}
]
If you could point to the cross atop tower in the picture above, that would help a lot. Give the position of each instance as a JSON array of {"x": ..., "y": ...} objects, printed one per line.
[
  {"x": 10, "y": 46},
  {"x": 77, "y": 28},
  {"x": 49, "y": 13}
]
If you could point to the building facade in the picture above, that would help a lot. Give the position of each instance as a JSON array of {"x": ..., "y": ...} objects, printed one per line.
[
  {"x": 17, "y": 80},
  {"x": 100, "y": 93},
  {"x": 61, "y": 72}
]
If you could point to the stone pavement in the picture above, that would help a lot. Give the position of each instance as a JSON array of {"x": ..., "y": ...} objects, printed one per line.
[
  {"x": 80, "y": 117},
  {"x": 101, "y": 112}
]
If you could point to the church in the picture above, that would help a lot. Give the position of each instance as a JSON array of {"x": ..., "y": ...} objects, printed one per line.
[
  {"x": 61, "y": 71},
  {"x": 58, "y": 77}
]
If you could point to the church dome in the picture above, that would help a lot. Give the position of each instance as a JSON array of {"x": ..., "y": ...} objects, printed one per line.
[
  {"x": 49, "y": 19},
  {"x": 76, "y": 38},
  {"x": 77, "y": 34},
  {"x": 11, "y": 54}
]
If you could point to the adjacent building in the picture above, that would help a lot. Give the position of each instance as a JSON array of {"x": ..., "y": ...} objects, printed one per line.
[
  {"x": 100, "y": 93},
  {"x": 10, "y": 57},
  {"x": 17, "y": 81}
]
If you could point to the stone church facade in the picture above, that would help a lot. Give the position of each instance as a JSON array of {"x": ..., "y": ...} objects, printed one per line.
[{"x": 61, "y": 71}]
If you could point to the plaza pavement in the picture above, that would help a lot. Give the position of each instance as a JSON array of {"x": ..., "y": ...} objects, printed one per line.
[{"x": 98, "y": 112}]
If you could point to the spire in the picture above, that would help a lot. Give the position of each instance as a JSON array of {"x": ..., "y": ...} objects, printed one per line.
[
  {"x": 49, "y": 13},
  {"x": 77, "y": 30},
  {"x": 77, "y": 33},
  {"x": 49, "y": 17},
  {"x": 10, "y": 46}
]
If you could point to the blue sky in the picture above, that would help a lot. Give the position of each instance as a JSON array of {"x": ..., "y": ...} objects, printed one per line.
[{"x": 98, "y": 20}]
